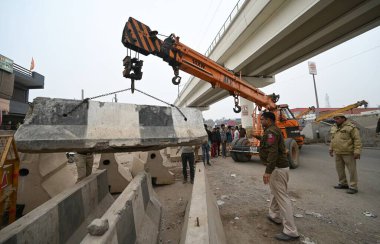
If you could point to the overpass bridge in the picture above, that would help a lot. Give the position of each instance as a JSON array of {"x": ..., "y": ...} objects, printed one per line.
[{"x": 261, "y": 38}]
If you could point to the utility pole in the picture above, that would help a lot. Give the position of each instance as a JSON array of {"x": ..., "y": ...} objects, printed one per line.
[
  {"x": 313, "y": 71},
  {"x": 82, "y": 94}
]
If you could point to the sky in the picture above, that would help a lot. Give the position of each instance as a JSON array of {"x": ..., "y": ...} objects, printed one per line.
[{"x": 77, "y": 45}]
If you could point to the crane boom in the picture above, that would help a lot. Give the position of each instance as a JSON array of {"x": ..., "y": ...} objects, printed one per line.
[
  {"x": 140, "y": 38},
  {"x": 351, "y": 106}
]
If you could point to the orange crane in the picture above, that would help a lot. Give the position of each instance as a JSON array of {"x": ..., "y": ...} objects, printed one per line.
[{"x": 141, "y": 39}]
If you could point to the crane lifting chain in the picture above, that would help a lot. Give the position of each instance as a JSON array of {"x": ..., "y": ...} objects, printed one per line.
[{"x": 237, "y": 108}]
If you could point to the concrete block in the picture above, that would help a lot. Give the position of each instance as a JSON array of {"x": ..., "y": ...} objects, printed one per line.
[
  {"x": 202, "y": 220},
  {"x": 46, "y": 176},
  {"x": 62, "y": 219},
  {"x": 118, "y": 175},
  {"x": 62, "y": 125},
  {"x": 153, "y": 161},
  {"x": 134, "y": 217}
]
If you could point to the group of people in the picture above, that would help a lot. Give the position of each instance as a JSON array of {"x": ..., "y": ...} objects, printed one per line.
[{"x": 220, "y": 138}]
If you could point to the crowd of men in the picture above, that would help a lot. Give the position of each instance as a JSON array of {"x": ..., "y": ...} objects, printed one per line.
[{"x": 220, "y": 138}]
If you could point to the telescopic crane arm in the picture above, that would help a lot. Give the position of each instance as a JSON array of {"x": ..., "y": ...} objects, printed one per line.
[
  {"x": 306, "y": 111},
  {"x": 140, "y": 38},
  {"x": 349, "y": 107}
]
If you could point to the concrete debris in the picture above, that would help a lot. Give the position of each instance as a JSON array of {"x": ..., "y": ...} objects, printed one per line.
[
  {"x": 98, "y": 227},
  {"x": 236, "y": 218},
  {"x": 298, "y": 215},
  {"x": 268, "y": 200},
  {"x": 307, "y": 241},
  {"x": 293, "y": 200},
  {"x": 369, "y": 214},
  {"x": 63, "y": 125},
  {"x": 224, "y": 197},
  {"x": 233, "y": 175},
  {"x": 317, "y": 215},
  {"x": 219, "y": 202}
]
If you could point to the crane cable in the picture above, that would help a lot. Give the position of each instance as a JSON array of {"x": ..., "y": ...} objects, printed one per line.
[{"x": 115, "y": 92}]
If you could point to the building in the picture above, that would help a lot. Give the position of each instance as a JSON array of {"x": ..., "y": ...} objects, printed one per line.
[{"x": 15, "y": 83}]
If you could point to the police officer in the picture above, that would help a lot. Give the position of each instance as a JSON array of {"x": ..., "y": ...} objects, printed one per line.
[
  {"x": 273, "y": 154},
  {"x": 346, "y": 143}
]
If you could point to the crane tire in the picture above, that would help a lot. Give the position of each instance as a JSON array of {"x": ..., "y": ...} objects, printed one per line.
[{"x": 293, "y": 152}]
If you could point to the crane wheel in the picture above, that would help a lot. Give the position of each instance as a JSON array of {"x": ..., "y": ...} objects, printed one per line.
[
  {"x": 241, "y": 144},
  {"x": 293, "y": 152}
]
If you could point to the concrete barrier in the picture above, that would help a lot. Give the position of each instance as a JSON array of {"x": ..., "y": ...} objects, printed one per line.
[
  {"x": 42, "y": 176},
  {"x": 118, "y": 175},
  {"x": 202, "y": 220},
  {"x": 134, "y": 217},
  {"x": 62, "y": 125},
  {"x": 64, "y": 218},
  {"x": 152, "y": 163}
]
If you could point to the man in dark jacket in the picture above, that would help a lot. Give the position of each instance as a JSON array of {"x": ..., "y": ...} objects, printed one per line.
[{"x": 273, "y": 154}]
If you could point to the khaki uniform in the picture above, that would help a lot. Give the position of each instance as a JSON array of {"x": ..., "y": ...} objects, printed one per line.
[
  {"x": 345, "y": 142},
  {"x": 273, "y": 154}
]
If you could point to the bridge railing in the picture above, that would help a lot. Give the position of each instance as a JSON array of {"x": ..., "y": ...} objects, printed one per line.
[
  {"x": 217, "y": 37},
  {"x": 224, "y": 27}
]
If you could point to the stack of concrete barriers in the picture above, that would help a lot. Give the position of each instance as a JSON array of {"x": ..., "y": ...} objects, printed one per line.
[{"x": 133, "y": 217}]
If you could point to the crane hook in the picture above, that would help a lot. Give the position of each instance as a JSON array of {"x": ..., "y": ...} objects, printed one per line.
[
  {"x": 176, "y": 80},
  {"x": 237, "y": 108}
]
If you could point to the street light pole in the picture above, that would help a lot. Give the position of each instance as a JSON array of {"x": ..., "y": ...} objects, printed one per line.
[
  {"x": 313, "y": 71},
  {"x": 316, "y": 97}
]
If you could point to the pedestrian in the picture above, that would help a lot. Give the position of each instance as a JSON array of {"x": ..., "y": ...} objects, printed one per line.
[
  {"x": 214, "y": 143},
  {"x": 223, "y": 139},
  {"x": 84, "y": 163},
  {"x": 236, "y": 133},
  {"x": 273, "y": 154},
  {"x": 346, "y": 144},
  {"x": 219, "y": 140},
  {"x": 378, "y": 127},
  {"x": 208, "y": 134},
  {"x": 229, "y": 139},
  {"x": 187, "y": 156},
  {"x": 205, "y": 153},
  {"x": 242, "y": 132}
]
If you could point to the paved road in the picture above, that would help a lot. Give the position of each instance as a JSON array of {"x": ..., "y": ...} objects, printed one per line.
[{"x": 338, "y": 217}]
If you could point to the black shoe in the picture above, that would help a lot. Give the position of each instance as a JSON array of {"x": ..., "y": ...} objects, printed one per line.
[
  {"x": 208, "y": 164},
  {"x": 273, "y": 221},
  {"x": 192, "y": 181},
  {"x": 184, "y": 181},
  {"x": 341, "y": 186},
  {"x": 351, "y": 191},
  {"x": 285, "y": 237}
]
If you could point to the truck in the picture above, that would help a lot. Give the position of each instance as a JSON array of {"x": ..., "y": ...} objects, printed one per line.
[{"x": 139, "y": 38}]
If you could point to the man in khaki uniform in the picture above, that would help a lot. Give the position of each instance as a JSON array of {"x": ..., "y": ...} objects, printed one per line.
[
  {"x": 273, "y": 153},
  {"x": 346, "y": 143}
]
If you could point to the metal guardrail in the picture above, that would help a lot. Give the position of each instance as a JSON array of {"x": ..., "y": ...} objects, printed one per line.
[
  {"x": 218, "y": 36},
  {"x": 22, "y": 70},
  {"x": 224, "y": 27}
]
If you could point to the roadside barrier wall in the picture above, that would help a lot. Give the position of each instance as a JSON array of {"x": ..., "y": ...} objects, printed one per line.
[
  {"x": 64, "y": 218},
  {"x": 203, "y": 224},
  {"x": 134, "y": 217}
]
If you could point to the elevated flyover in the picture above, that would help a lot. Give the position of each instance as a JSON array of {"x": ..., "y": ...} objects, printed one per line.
[{"x": 264, "y": 37}]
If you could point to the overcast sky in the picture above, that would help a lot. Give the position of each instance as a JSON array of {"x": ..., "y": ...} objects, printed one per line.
[{"x": 77, "y": 45}]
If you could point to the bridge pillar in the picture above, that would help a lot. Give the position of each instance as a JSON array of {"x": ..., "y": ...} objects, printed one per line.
[{"x": 246, "y": 115}]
